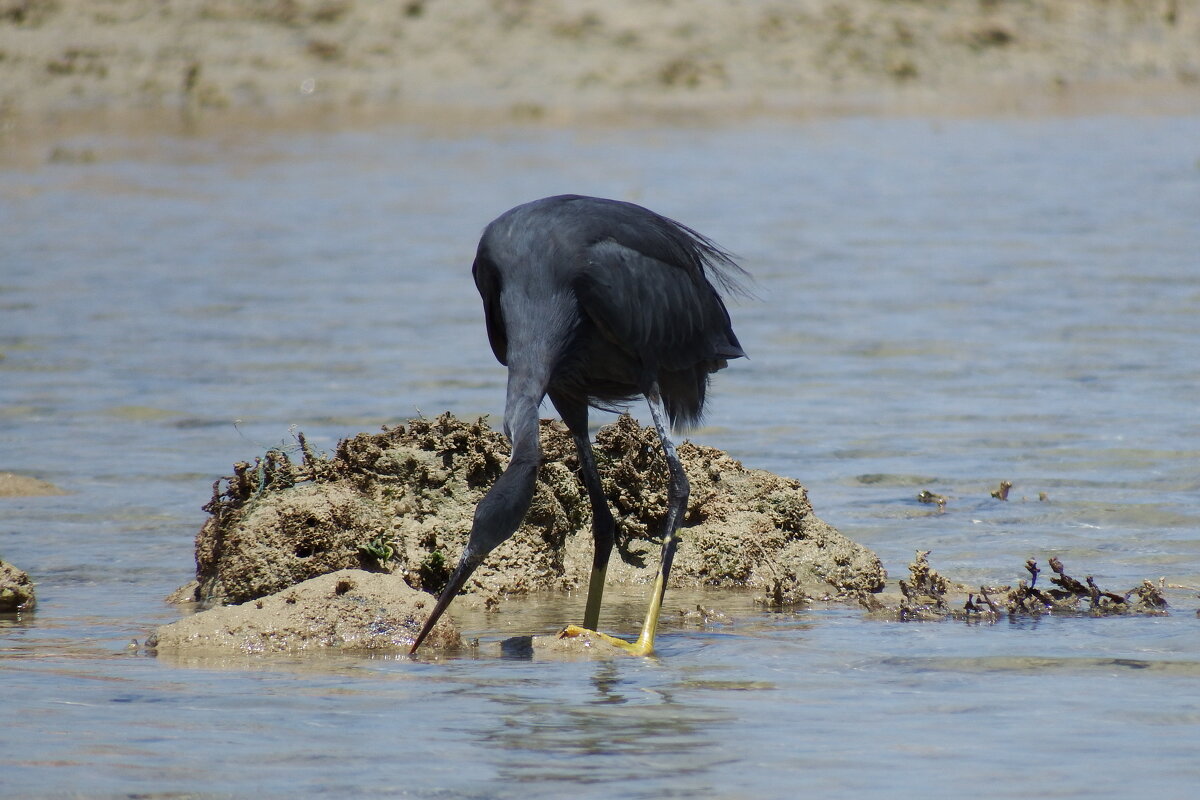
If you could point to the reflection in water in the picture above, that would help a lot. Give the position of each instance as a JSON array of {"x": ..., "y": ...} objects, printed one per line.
[
  {"x": 608, "y": 684},
  {"x": 620, "y": 732}
]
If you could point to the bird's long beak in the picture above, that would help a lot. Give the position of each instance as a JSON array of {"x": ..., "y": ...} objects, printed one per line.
[{"x": 466, "y": 566}]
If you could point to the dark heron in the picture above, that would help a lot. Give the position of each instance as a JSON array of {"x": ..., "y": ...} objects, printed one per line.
[{"x": 595, "y": 302}]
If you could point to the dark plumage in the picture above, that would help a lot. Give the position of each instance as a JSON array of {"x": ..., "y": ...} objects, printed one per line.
[{"x": 594, "y": 302}]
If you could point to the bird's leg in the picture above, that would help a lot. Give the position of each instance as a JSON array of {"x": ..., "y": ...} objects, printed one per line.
[
  {"x": 603, "y": 532},
  {"x": 677, "y": 497},
  {"x": 603, "y": 525}
]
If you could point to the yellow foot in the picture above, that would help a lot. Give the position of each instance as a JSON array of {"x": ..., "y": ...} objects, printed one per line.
[{"x": 638, "y": 648}]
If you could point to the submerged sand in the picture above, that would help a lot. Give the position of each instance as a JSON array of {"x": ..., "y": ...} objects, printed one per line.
[{"x": 14, "y": 485}]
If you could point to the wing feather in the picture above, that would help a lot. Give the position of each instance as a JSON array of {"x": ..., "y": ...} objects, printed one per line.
[{"x": 664, "y": 314}]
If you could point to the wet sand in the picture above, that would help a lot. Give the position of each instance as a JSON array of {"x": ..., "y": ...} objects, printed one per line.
[{"x": 537, "y": 60}]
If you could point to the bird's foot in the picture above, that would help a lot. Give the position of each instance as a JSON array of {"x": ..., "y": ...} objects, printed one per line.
[{"x": 638, "y": 648}]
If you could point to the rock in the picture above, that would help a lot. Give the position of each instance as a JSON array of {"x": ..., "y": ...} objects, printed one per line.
[
  {"x": 401, "y": 501},
  {"x": 13, "y": 485},
  {"x": 16, "y": 590},
  {"x": 344, "y": 610}
]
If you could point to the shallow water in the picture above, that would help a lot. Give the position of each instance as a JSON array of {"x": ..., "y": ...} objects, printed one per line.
[{"x": 941, "y": 304}]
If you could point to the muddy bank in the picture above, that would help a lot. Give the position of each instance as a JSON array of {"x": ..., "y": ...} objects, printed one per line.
[
  {"x": 16, "y": 590},
  {"x": 401, "y": 501},
  {"x": 538, "y": 58}
]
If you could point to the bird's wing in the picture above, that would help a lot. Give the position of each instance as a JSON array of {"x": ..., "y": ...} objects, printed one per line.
[
  {"x": 487, "y": 281},
  {"x": 661, "y": 313}
]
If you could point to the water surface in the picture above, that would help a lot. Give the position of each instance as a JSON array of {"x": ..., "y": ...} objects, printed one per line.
[{"x": 941, "y": 304}]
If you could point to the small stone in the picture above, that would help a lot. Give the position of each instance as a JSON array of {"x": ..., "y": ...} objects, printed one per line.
[{"x": 16, "y": 590}]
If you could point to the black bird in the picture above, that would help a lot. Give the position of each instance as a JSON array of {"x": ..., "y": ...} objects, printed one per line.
[{"x": 595, "y": 302}]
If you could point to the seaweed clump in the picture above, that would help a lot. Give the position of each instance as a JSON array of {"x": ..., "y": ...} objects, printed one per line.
[
  {"x": 927, "y": 596},
  {"x": 1071, "y": 596}
]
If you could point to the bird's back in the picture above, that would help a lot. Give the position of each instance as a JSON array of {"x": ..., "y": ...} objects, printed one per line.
[{"x": 615, "y": 295}]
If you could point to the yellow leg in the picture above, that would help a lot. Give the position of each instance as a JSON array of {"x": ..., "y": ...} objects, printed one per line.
[
  {"x": 644, "y": 645},
  {"x": 572, "y": 631},
  {"x": 677, "y": 495},
  {"x": 645, "y": 642}
]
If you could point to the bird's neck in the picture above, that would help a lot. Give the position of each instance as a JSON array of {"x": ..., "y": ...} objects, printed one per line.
[
  {"x": 503, "y": 508},
  {"x": 526, "y": 388}
]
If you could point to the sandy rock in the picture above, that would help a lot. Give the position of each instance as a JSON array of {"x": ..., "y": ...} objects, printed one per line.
[
  {"x": 402, "y": 500},
  {"x": 344, "y": 610},
  {"x": 300, "y": 533},
  {"x": 743, "y": 527},
  {"x": 13, "y": 485},
  {"x": 16, "y": 590}
]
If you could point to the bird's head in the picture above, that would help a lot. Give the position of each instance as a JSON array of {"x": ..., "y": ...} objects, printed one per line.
[
  {"x": 498, "y": 514},
  {"x": 467, "y": 565}
]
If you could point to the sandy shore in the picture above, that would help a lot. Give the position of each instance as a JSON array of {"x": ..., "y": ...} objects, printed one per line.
[{"x": 538, "y": 59}]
